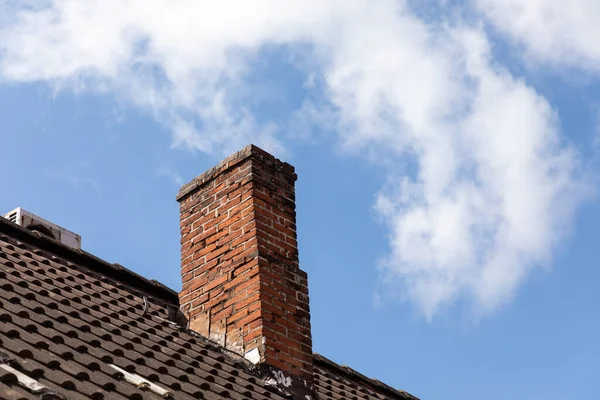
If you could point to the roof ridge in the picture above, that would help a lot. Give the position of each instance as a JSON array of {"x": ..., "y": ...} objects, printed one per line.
[
  {"x": 83, "y": 259},
  {"x": 355, "y": 374}
]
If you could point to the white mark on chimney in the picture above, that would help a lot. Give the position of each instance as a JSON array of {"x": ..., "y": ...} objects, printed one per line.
[
  {"x": 282, "y": 379},
  {"x": 270, "y": 382},
  {"x": 253, "y": 356}
]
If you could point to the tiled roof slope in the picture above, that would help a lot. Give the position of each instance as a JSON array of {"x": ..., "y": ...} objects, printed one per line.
[{"x": 74, "y": 327}]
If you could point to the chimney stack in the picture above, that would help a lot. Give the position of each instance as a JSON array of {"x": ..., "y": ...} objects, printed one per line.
[{"x": 242, "y": 285}]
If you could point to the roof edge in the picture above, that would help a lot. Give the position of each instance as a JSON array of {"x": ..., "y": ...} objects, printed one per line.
[
  {"x": 357, "y": 375},
  {"x": 86, "y": 260}
]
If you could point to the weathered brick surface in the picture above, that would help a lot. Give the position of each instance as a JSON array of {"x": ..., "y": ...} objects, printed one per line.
[{"x": 242, "y": 285}]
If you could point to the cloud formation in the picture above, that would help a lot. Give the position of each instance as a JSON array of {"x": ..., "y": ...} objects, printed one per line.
[
  {"x": 489, "y": 201},
  {"x": 480, "y": 187},
  {"x": 563, "y": 33}
]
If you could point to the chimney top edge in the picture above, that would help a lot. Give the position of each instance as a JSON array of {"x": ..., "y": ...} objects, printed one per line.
[{"x": 250, "y": 151}]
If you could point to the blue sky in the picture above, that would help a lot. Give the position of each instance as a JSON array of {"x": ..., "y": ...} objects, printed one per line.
[{"x": 447, "y": 192}]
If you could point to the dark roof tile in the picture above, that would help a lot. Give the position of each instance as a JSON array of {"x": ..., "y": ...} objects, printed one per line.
[
  {"x": 12, "y": 391},
  {"x": 67, "y": 316}
]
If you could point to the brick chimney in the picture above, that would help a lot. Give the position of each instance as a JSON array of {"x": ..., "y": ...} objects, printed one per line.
[{"x": 242, "y": 285}]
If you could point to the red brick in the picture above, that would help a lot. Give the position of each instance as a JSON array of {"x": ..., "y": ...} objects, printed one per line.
[{"x": 240, "y": 268}]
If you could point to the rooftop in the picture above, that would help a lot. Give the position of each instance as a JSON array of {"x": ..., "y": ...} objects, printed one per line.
[{"x": 73, "y": 326}]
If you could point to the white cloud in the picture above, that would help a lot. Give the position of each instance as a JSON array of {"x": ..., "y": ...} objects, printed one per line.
[
  {"x": 564, "y": 33},
  {"x": 493, "y": 188},
  {"x": 491, "y": 199}
]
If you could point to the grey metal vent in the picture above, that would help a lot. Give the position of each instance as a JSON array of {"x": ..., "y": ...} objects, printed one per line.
[
  {"x": 12, "y": 217},
  {"x": 31, "y": 221}
]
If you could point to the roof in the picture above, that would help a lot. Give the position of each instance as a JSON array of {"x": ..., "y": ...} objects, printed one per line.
[{"x": 73, "y": 326}]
